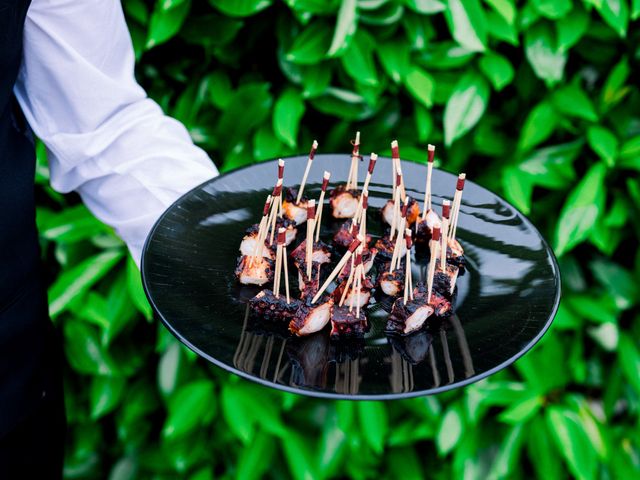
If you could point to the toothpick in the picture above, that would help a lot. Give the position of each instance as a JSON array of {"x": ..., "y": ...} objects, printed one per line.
[
  {"x": 427, "y": 189},
  {"x": 325, "y": 183},
  {"x": 261, "y": 227},
  {"x": 457, "y": 199},
  {"x": 435, "y": 242},
  {"x": 408, "y": 281},
  {"x": 395, "y": 156},
  {"x": 352, "y": 182},
  {"x": 354, "y": 244},
  {"x": 359, "y": 276},
  {"x": 312, "y": 154},
  {"x": 278, "y": 272},
  {"x": 367, "y": 180},
  {"x": 281, "y": 179},
  {"x": 363, "y": 212},
  {"x": 396, "y": 203},
  {"x": 282, "y": 240},
  {"x": 311, "y": 219},
  {"x": 276, "y": 206},
  {"x": 347, "y": 285},
  {"x": 446, "y": 210},
  {"x": 395, "y": 258}
]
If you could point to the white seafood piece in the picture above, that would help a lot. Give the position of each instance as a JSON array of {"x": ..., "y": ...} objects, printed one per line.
[
  {"x": 387, "y": 212},
  {"x": 296, "y": 212},
  {"x": 316, "y": 319},
  {"x": 351, "y": 300},
  {"x": 248, "y": 246},
  {"x": 344, "y": 205},
  {"x": 416, "y": 319},
  {"x": 256, "y": 272},
  {"x": 433, "y": 220}
]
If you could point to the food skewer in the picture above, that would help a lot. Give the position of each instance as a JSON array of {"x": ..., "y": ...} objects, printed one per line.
[
  {"x": 427, "y": 189},
  {"x": 446, "y": 208},
  {"x": 352, "y": 248},
  {"x": 352, "y": 181},
  {"x": 257, "y": 251},
  {"x": 396, "y": 203},
  {"x": 435, "y": 242},
  {"x": 325, "y": 183},
  {"x": 408, "y": 283},
  {"x": 395, "y": 259},
  {"x": 367, "y": 180},
  {"x": 276, "y": 208},
  {"x": 311, "y": 224},
  {"x": 278, "y": 272},
  {"x": 456, "y": 205},
  {"x": 312, "y": 153},
  {"x": 282, "y": 238}
]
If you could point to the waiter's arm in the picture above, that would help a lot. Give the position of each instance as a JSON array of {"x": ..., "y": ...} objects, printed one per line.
[{"x": 105, "y": 138}]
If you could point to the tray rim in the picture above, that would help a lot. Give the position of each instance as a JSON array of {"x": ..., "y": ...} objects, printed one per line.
[{"x": 342, "y": 396}]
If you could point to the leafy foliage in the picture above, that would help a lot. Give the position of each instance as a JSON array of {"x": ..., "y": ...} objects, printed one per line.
[{"x": 537, "y": 101}]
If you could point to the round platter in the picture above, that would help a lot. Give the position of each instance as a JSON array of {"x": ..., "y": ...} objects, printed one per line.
[{"x": 506, "y": 299}]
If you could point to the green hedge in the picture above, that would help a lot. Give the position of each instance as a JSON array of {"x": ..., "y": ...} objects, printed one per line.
[{"x": 539, "y": 102}]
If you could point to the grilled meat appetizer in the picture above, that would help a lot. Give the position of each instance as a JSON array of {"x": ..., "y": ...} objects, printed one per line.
[
  {"x": 296, "y": 212},
  {"x": 344, "y": 203},
  {"x": 345, "y": 324},
  {"x": 413, "y": 211},
  {"x": 455, "y": 254},
  {"x": 272, "y": 308},
  {"x": 351, "y": 300},
  {"x": 440, "y": 304},
  {"x": 425, "y": 227},
  {"x": 248, "y": 244},
  {"x": 410, "y": 317},
  {"x": 391, "y": 284},
  {"x": 344, "y": 237},
  {"x": 311, "y": 317},
  {"x": 320, "y": 255},
  {"x": 254, "y": 270},
  {"x": 444, "y": 282},
  {"x": 368, "y": 258}
]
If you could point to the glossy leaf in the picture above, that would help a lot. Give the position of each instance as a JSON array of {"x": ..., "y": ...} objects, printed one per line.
[
  {"x": 615, "y": 13},
  {"x": 497, "y": 69},
  {"x": 345, "y": 27},
  {"x": 165, "y": 23},
  {"x": 467, "y": 24},
  {"x": 604, "y": 143},
  {"x": 573, "y": 101},
  {"x": 191, "y": 406},
  {"x": 465, "y": 106},
  {"x": 538, "y": 127},
  {"x": 553, "y": 9},
  {"x": 421, "y": 86},
  {"x": 311, "y": 45},
  {"x": 450, "y": 431},
  {"x": 240, "y": 8},
  {"x": 374, "y": 424},
  {"x": 287, "y": 113},
  {"x": 546, "y": 59}
]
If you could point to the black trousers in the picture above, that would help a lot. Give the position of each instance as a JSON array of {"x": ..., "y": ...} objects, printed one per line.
[{"x": 31, "y": 394}]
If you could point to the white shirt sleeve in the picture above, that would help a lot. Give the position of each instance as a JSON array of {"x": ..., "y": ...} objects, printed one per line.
[{"x": 105, "y": 138}]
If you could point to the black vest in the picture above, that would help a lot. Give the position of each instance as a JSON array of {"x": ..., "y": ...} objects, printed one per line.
[{"x": 24, "y": 326}]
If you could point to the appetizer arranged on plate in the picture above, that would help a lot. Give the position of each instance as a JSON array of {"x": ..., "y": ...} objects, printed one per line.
[{"x": 364, "y": 267}]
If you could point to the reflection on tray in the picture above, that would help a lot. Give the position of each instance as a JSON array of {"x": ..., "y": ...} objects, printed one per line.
[{"x": 314, "y": 362}]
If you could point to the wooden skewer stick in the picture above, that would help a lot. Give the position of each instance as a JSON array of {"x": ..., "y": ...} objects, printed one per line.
[
  {"x": 278, "y": 272},
  {"x": 325, "y": 184},
  {"x": 352, "y": 182},
  {"x": 312, "y": 154},
  {"x": 261, "y": 227},
  {"x": 427, "y": 189},
  {"x": 359, "y": 276},
  {"x": 282, "y": 238},
  {"x": 446, "y": 210},
  {"x": 435, "y": 242},
  {"x": 395, "y": 157},
  {"x": 280, "y": 177},
  {"x": 367, "y": 180},
  {"x": 311, "y": 225},
  {"x": 363, "y": 212},
  {"x": 457, "y": 199},
  {"x": 352, "y": 248},
  {"x": 395, "y": 258},
  {"x": 276, "y": 208},
  {"x": 396, "y": 203},
  {"x": 408, "y": 281},
  {"x": 348, "y": 284}
]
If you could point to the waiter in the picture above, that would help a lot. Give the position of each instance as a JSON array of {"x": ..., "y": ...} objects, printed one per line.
[{"x": 66, "y": 73}]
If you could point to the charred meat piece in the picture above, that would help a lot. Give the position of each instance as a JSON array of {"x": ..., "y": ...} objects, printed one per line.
[
  {"x": 267, "y": 306},
  {"x": 254, "y": 270},
  {"x": 290, "y": 225},
  {"x": 440, "y": 304},
  {"x": 385, "y": 247},
  {"x": 455, "y": 254},
  {"x": 344, "y": 203},
  {"x": 345, "y": 324},
  {"x": 351, "y": 300},
  {"x": 320, "y": 255},
  {"x": 425, "y": 227},
  {"x": 249, "y": 241},
  {"x": 311, "y": 317},
  {"x": 296, "y": 212},
  {"x": 308, "y": 287},
  {"x": 391, "y": 284},
  {"x": 368, "y": 257},
  {"x": 410, "y": 317},
  {"x": 444, "y": 282},
  {"x": 344, "y": 237},
  {"x": 413, "y": 212}
]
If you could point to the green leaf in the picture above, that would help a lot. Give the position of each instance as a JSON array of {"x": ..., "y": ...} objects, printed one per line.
[
  {"x": 629, "y": 156},
  {"x": 394, "y": 57},
  {"x": 248, "y": 108},
  {"x": 615, "y": 13},
  {"x": 164, "y": 24},
  {"x": 553, "y": 9},
  {"x": 72, "y": 224},
  {"x": 497, "y": 69},
  {"x": 420, "y": 84},
  {"x": 614, "y": 88},
  {"x": 450, "y": 431},
  {"x": 136, "y": 292},
  {"x": 629, "y": 358},
  {"x": 77, "y": 280},
  {"x": 618, "y": 282},
  {"x": 635, "y": 9},
  {"x": 374, "y": 424},
  {"x": 358, "y": 60},
  {"x": 604, "y": 143},
  {"x": 571, "y": 28},
  {"x": 572, "y": 442},
  {"x": 253, "y": 462},
  {"x": 345, "y": 27},
  {"x": 522, "y": 410},
  {"x": 315, "y": 79},
  {"x": 505, "y": 8},
  {"x": 507, "y": 457},
  {"x": 169, "y": 368},
  {"x": 190, "y": 406},
  {"x": 106, "y": 393},
  {"x": 83, "y": 350},
  {"x": 545, "y": 58},
  {"x": 538, "y": 126},
  {"x": 541, "y": 450},
  {"x": 517, "y": 187},
  {"x": 287, "y": 113},
  {"x": 240, "y": 8},
  {"x": 498, "y": 28},
  {"x": 300, "y": 456},
  {"x": 311, "y": 45},
  {"x": 580, "y": 212},
  {"x": 426, "y": 7},
  {"x": 467, "y": 24},
  {"x": 572, "y": 101},
  {"x": 466, "y": 106}
]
